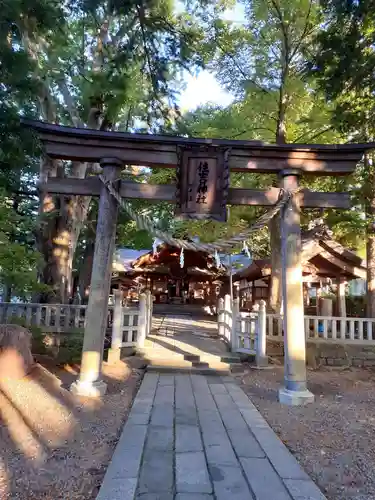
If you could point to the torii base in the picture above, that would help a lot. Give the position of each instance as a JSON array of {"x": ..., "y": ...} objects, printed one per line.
[
  {"x": 295, "y": 398},
  {"x": 89, "y": 389}
]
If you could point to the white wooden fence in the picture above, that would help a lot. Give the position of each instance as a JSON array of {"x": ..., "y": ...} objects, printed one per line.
[
  {"x": 333, "y": 329},
  {"x": 247, "y": 332},
  {"x": 126, "y": 326},
  {"x": 243, "y": 332}
]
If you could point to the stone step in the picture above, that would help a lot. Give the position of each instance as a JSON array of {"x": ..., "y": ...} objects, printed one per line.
[
  {"x": 180, "y": 363},
  {"x": 187, "y": 370},
  {"x": 155, "y": 352},
  {"x": 200, "y": 364}
]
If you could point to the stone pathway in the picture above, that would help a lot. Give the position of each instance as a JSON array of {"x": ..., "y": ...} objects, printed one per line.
[{"x": 196, "y": 437}]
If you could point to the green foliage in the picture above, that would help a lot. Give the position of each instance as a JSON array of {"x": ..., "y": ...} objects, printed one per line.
[
  {"x": 70, "y": 350},
  {"x": 263, "y": 62},
  {"x": 18, "y": 263},
  {"x": 344, "y": 63}
]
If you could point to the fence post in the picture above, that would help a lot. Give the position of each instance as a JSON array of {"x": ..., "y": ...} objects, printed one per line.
[
  {"x": 148, "y": 312},
  {"x": 235, "y": 314},
  {"x": 114, "y": 353},
  {"x": 261, "y": 357},
  {"x": 142, "y": 320},
  {"x": 151, "y": 309},
  {"x": 220, "y": 317},
  {"x": 227, "y": 319}
]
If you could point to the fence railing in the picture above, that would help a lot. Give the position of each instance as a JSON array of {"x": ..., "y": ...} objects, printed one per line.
[
  {"x": 247, "y": 332},
  {"x": 335, "y": 328},
  {"x": 54, "y": 318},
  {"x": 127, "y": 327},
  {"x": 244, "y": 332}
]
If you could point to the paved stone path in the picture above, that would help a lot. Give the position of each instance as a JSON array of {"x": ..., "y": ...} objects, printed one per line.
[{"x": 195, "y": 437}]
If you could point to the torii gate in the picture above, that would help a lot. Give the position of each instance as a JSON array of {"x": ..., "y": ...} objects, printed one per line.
[{"x": 115, "y": 149}]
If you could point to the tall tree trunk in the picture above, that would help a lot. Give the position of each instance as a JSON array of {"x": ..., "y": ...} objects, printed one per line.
[
  {"x": 370, "y": 251},
  {"x": 275, "y": 291},
  {"x": 370, "y": 241},
  {"x": 86, "y": 269},
  {"x": 61, "y": 218}
]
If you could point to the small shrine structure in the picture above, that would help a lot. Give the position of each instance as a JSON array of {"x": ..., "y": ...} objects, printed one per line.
[{"x": 324, "y": 261}]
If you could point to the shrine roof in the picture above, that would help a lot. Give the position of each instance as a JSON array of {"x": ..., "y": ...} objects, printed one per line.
[{"x": 321, "y": 257}]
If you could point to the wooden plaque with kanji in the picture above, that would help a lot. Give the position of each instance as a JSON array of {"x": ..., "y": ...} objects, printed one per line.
[{"x": 203, "y": 181}]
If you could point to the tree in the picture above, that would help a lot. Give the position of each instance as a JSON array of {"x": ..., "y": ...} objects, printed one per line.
[
  {"x": 18, "y": 262},
  {"x": 263, "y": 64},
  {"x": 343, "y": 65},
  {"x": 97, "y": 64}
]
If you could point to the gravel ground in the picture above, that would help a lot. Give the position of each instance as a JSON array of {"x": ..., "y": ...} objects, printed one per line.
[
  {"x": 57, "y": 446},
  {"x": 333, "y": 438}
]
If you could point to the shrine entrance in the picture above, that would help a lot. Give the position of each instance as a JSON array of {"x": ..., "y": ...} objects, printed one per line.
[{"x": 202, "y": 191}]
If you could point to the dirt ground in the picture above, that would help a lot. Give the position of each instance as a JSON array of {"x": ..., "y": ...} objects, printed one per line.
[
  {"x": 57, "y": 446},
  {"x": 333, "y": 438}
]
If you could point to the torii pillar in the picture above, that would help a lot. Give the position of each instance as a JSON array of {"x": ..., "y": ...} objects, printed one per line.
[
  {"x": 90, "y": 383},
  {"x": 295, "y": 390}
]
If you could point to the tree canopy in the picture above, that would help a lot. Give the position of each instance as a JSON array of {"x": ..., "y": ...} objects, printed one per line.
[{"x": 300, "y": 71}]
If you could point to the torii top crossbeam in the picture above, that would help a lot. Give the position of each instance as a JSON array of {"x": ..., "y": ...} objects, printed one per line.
[
  {"x": 161, "y": 151},
  {"x": 204, "y": 176}
]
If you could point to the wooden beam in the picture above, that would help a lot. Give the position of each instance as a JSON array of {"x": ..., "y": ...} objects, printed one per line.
[
  {"x": 155, "y": 151},
  {"x": 166, "y": 192}
]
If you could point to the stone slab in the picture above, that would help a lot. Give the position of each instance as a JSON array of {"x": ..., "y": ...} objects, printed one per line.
[
  {"x": 193, "y": 496},
  {"x": 186, "y": 416},
  {"x": 214, "y": 434},
  {"x": 142, "y": 407},
  {"x": 155, "y": 496},
  {"x": 164, "y": 395},
  {"x": 162, "y": 416},
  {"x": 118, "y": 489},
  {"x": 223, "y": 401},
  {"x": 253, "y": 418},
  {"x": 263, "y": 480},
  {"x": 138, "y": 418},
  {"x": 184, "y": 398},
  {"x": 229, "y": 483},
  {"x": 303, "y": 490},
  {"x": 233, "y": 419},
  {"x": 218, "y": 387},
  {"x": 221, "y": 454},
  {"x": 156, "y": 472},
  {"x": 238, "y": 396},
  {"x": 282, "y": 460},
  {"x": 160, "y": 438},
  {"x": 245, "y": 445},
  {"x": 191, "y": 473},
  {"x": 188, "y": 438},
  {"x": 166, "y": 379},
  {"x": 209, "y": 415},
  {"x": 133, "y": 436}
]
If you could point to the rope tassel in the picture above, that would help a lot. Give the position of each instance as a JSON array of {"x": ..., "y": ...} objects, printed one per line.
[
  {"x": 246, "y": 250},
  {"x": 217, "y": 259},
  {"x": 154, "y": 247}
]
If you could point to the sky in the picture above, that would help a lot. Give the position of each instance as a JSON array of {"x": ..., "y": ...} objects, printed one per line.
[{"x": 204, "y": 88}]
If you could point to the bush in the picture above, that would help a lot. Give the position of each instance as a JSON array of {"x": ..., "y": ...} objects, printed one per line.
[
  {"x": 70, "y": 350},
  {"x": 356, "y": 306}
]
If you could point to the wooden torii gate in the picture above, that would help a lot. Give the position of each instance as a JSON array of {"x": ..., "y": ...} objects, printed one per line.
[{"x": 115, "y": 149}]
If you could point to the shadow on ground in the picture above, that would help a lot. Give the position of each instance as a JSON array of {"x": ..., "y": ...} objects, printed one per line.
[{"x": 54, "y": 445}]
